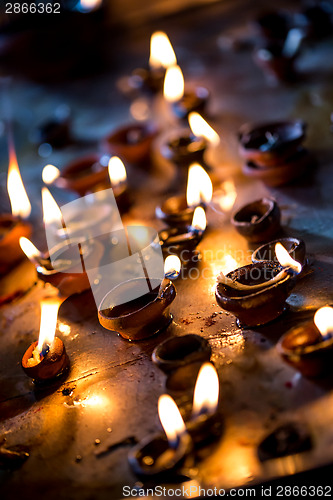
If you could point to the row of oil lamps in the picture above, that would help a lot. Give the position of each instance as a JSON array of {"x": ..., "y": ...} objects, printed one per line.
[{"x": 256, "y": 294}]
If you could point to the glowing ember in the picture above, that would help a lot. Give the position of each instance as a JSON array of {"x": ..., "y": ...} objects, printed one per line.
[
  {"x": 206, "y": 392},
  {"x": 285, "y": 259},
  {"x": 117, "y": 171},
  {"x": 17, "y": 194},
  {"x": 199, "y": 220},
  {"x": 200, "y": 128},
  {"x": 173, "y": 84},
  {"x": 324, "y": 320},
  {"x": 161, "y": 51},
  {"x": 199, "y": 186},
  {"x": 171, "y": 419},
  {"x": 50, "y": 174}
]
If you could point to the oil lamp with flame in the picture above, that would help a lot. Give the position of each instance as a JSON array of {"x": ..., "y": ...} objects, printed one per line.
[
  {"x": 295, "y": 247},
  {"x": 178, "y": 210},
  {"x": 309, "y": 347},
  {"x": 145, "y": 315},
  {"x": 46, "y": 359},
  {"x": 163, "y": 455},
  {"x": 14, "y": 225},
  {"x": 63, "y": 265},
  {"x": 183, "y": 100},
  {"x": 205, "y": 424},
  {"x": 183, "y": 241},
  {"x": 256, "y": 293},
  {"x": 151, "y": 79}
]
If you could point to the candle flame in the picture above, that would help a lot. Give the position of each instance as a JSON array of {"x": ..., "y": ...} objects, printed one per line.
[
  {"x": 173, "y": 84},
  {"x": 199, "y": 220},
  {"x": 51, "y": 211},
  {"x": 199, "y": 186},
  {"x": 161, "y": 51},
  {"x": 206, "y": 392},
  {"x": 172, "y": 266},
  {"x": 171, "y": 419},
  {"x": 48, "y": 322},
  {"x": 117, "y": 171},
  {"x": 324, "y": 320},
  {"x": 285, "y": 259},
  {"x": 201, "y": 128},
  {"x": 29, "y": 248},
  {"x": 17, "y": 194},
  {"x": 50, "y": 174}
]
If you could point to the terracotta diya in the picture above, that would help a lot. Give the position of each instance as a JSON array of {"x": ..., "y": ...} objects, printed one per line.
[
  {"x": 294, "y": 246},
  {"x": 178, "y": 210},
  {"x": 258, "y": 221},
  {"x": 309, "y": 347},
  {"x": 46, "y": 360},
  {"x": 132, "y": 143},
  {"x": 13, "y": 226},
  {"x": 161, "y": 457},
  {"x": 183, "y": 101},
  {"x": 256, "y": 294},
  {"x": 183, "y": 148},
  {"x": 64, "y": 266}
]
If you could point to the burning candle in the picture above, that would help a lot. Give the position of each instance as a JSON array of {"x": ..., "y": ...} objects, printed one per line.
[
  {"x": 13, "y": 226},
  {"x": 151, "y": 79},
  {"x": 46, "y": 359},
  {"x": 163, "y": 455},
  {"x": 256, "y": 293},
  {"x": 178, "y": 210},
  {"x": 183, "y": 241},
  {"x": 183, "y": 101},
  {"x": 309, "y": 347},
  {"x": 205, "y": 424},
  {"x": 149, "y": 312}
]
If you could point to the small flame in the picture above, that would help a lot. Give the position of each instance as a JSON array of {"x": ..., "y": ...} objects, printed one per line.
[
  {"x": 161, "y": 51},
  {"x": 172, "y": 266},
  {"x": 51, "y": 211},
  {"x": 89, "y": 5},
  {"x": 17, "y": 194},
  {"x": 117, "y": 171},
  {"x": 199, "y": 186},
  {"x": 173, "y": 84},
  {"x": 285, "y": 259},
  {"x": 29, "y": 248},
  {"x": 200, "y": 128},
  {"x": 199, "y": 220},
  {"x": 324, "y": 320},
  {"x": 50, "y": 174},
  {"x": 206, "y": 392},
  {"x": 171, "y": 419},
  {"x": 48, "y": 322}
]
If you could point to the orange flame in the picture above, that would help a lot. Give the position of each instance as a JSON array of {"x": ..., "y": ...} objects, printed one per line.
[
  {"x": 161, "y": 51},
  {"x": 199, "y": 186},
  {"x": 48, "y": 322},
  {"x": 285, "y": 259},
  {"x": 324, "y": 320},
  {"x": 173, "y": 89},
  {"x": 171, "y": 419},
  {"x": 206, "y": 392},
  {"x": 200, "y": 128},
  {"x": 17, "y": 194}
]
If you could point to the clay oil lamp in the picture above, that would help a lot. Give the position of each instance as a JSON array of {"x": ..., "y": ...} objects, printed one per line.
[
  {"x": 14, "y": 225},
  {"x": 150, "y": 79},
  {"x": 271, "y": 144},
  {"x": 183, "y": 100},
  {"x": 277, "y": 59},
  {"x": 133, "y": 143},
  {"x": 83, "y": 175},
  {"x": 256, "y": 294},
  {"x": 176, "y": 352},
  {"x": 205, "y": 424},
  {"x": 294, "y": 246},
  {"x": 65, "y": 265},
  {"x": 258, "y": 221},
  {"x": 178, "y": 210},
  {"x": 161, "y": 457},
  {"x": 148, "y": 313},
  {"x": 309, "y": 347},
  {"x": 182, "y": 241},
  {"x": 183, "y": 148},
  {"x": 46, "y": 359}
]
